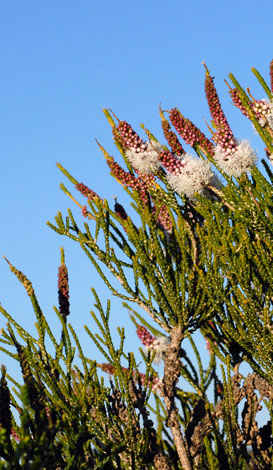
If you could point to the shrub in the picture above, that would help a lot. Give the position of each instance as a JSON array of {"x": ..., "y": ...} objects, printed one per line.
[{"x": 193, "y": 253}]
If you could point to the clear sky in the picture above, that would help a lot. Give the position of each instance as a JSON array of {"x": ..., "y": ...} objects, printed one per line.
[{"x": 62, "y": 61}]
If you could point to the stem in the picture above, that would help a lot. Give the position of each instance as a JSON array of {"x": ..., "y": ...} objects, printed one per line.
[{"x": 171, "y": 375}]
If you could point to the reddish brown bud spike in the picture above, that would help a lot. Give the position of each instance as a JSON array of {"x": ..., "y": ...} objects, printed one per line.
[
  {"x": 127, "y": 137},
  {"x": 171, "y": 138},
  {"x": 189, "y": 132},
  {"x": 164, "y": 220},
  {"x": 120, "y": 211},
  {"x": 237, "y": 101},
  {"x": 224, "y": 136},
  {"x": 85, "y": 191},
  {"x": 144, "y": 335},
  {"x": 63, "y": 290}
]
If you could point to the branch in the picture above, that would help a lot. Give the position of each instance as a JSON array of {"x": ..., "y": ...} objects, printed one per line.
[{"x": 171, "y": 375}]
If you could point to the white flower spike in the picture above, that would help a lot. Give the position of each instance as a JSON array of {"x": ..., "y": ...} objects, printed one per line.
[
  {"x": 145, "y": 161},
  {"x": 239, "y": 161},
  {"x": 193, "y": 177}
]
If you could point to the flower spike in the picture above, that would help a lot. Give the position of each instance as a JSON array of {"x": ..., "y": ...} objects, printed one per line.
[
  {"x": 188, "y": 175},
  {"x": 235, "y": 158},
  {"x": 143, "y": 156},
  {"x": 262, "y": 109},
  {"x": 194, "y": 177},
  {"x": 171, "y": 162},
  {"x": 223, "y": 135},
  {"x": 190, "y": 133},
  {"x": 119, "y": 210},
  {"x": 86, "y": 192},
  {"x": 128, "y": 138},
  {"x": 164, "y": 221},
  {"x": 170, "y": 136},
  {"x": 63, "y": 287},
  {"x": 234, "y": 94}
]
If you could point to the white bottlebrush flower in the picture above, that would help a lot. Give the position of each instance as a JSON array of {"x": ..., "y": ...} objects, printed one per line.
[
  {"x": 145, "y": 161},
  {"x": 239, "y": 161},
  {"x": 159, "y": 345},
  {"x": 193, "y": 177},
  {"x": 264, "y": 109}
]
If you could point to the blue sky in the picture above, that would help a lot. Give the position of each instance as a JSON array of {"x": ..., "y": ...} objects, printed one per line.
[{"x": 62, "y": 62}]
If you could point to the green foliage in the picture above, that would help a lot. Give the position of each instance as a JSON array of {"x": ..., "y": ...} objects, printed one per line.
[{"x": 192, "y": 261}]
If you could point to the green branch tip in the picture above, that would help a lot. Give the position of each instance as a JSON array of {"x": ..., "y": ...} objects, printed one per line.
[
  {"x": 62, "y": 255},
  {"x": 109, "y": 117},
  {"x": 105, "y": 153},
  {"x": 65, "y": 172}
]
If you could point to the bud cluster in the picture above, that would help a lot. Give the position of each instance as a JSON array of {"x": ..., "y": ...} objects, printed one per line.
[
  {"x": 172, "y": 138},
  {"x": 262, "y": 109},
  {"x": 85, "y": 211},
  {"x": 142, "y": 183},
  {"x": 223, "y": 136},
  {"x": 172, "y": 164},
  {"x": 85, "y": 191},
  {"x": 152, "y": 343},
  {"x": 264, "y": 112},
  {"x": 235, "y": 158},
  {"x": 127, "y": 179},
  {"x": 238, "y": 102},
  {"x": 128, "y": 138},
  {"x": 63, "y": 290},
  {"x": 120, "y": 211},
  {"x": 189, "y": 132},
  {"x": 124, "y": 177},
  {"x": 164, "y": 220},
  {"x": 145, "y": 337}
]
